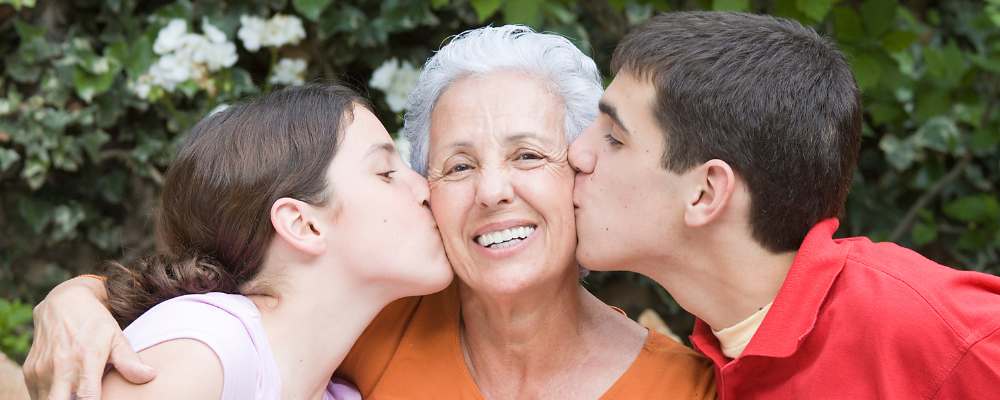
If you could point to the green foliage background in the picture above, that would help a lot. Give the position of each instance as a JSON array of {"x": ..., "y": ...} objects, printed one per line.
[{"x": 81, "y": 156}]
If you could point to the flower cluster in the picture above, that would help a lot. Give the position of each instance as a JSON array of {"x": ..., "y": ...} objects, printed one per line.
[
  {"x": 278, "y": 31},
  {"x": 186, "y": 56},
  {"x": 289, "y": 71},
  {"x": 396, "y": 79}
]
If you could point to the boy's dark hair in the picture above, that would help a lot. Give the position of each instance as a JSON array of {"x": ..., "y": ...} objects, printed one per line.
[{"x": 770, "y": 97}]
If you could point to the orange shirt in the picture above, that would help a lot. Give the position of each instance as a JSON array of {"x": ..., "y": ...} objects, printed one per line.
[{"x": 412, "y": 350}]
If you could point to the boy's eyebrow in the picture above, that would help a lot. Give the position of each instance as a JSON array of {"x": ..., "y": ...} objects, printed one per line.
[
  {"x": 380, "y": 147},
  {"x": 611, "y": 112}
]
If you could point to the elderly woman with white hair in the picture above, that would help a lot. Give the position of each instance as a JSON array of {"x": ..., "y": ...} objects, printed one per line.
[{"x": 492, "y": 118}]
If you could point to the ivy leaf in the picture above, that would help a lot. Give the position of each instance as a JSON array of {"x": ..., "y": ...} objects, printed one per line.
[
  {"x": 973, "y": 239},
  {"x": 939, "y": 133},
  {"x": 7, "y": 158},
  {"x": 974, "y": 208},
  {"x": 899, "y": 153},
  {"x": 985, "y": 140},
  {"x": 923, "y": 234},
  {"x": 89, "y": 85},
  {"x": 815, "y": 9},
  {"x": 617, "y": 5},
  {"x": 436, "y": 4},
  {"x": 730, "y": 5},
  {"x": 933, "y": 103},
  {"x": 311, "y": 9},
  {"x": 878, "y": 15},
  {"x": 898, "y": 40},
  {"x": 846, "y": 23},
  {"x": 867, "y": 71},
  {"x": 523, "y": 12},
  {"x": 486, "y": 8}
]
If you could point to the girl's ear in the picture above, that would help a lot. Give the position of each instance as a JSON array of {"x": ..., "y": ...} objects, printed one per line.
[
  {"x": 715, "y": 183},
  {"x": 297, "y": 223}
]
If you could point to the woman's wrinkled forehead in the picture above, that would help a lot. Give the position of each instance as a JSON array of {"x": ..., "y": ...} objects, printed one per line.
[{"x": 517, "y": 106}]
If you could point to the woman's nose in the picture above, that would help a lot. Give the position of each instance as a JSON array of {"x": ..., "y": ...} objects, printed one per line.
[
  {"x": 581, "y": 152},
  {"x": 494, "y": 188}
]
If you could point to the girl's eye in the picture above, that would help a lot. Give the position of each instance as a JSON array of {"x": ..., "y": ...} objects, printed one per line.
[
  {"x": 387, "y": 174},
  {"x": 611, "y": 139}
]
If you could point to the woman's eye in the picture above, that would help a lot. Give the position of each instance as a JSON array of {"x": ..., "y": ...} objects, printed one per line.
[
  {"x": 459, "y": 168},
  {"x": 387, "y": 174},
  {"x": 611, "y": 139},
  {"x": 529, "y": 156}
]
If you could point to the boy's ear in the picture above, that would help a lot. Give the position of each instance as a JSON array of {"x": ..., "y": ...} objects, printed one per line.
[
  {"x": 297, "y": 223},
  {"x": 713, "y": 184}
]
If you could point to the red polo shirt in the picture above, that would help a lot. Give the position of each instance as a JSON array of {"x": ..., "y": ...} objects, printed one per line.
[{"x": 862, "y": 320}]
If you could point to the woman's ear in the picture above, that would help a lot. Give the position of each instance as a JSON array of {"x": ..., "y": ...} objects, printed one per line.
[
  {"x": 297, "y": 223},
  {"x": 714, "y": 183}
]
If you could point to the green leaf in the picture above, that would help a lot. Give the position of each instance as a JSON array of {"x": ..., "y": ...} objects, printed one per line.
[
  {"x": 7, "y": 158},
  {"x": 846, "y": 23},
  {"x": 486, "y": 8},
  {"x": 730, "y": 5},
  {"x": 867, "y": 71},
  {"x": 974, "y": 208},
  {"x": 932, "y": 104},
  {"x": 436, "y": 4},
  {"x": 89, "y": 85},
  {"x": 886, "y": 112},
  {"x": 898, "y": 40},
  {"x": 311, "y": 9},
  {"x": 92, "y": 142},
  {"x": 618, "y": 5},
  {"x": 523, "y": 12},
  {"x": 985, "y": 140},
  {"x": 923, "y": 234},
  {"x": 899, "y": 153},
  {"x": 877, "y": 16},
  {"x": 815, "y": 9},
  {"x": 973, "y": 239},
  {"x": 939, "y": 133}
]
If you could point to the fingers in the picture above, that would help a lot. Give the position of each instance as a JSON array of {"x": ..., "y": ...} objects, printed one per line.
[
  {"x": 60, "y": 390},
  {"x": 128, "y": 363},
  {"x": 91, "y": 371}
]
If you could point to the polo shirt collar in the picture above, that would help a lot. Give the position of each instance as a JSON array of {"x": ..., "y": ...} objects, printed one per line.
[{"x": 796, "y": 307}]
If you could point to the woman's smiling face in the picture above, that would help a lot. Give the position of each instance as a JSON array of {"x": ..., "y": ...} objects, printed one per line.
[{"x": 501, "y": 185}]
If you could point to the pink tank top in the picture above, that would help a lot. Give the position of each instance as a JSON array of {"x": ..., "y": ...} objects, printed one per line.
[{"x": 230, "y": 325}]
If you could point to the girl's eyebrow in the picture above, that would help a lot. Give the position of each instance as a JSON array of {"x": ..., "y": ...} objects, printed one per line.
[{"x": 379, "y": 148}]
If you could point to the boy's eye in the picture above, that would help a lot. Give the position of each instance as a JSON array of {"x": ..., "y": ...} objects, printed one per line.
[{"x": 611, "y": 139}]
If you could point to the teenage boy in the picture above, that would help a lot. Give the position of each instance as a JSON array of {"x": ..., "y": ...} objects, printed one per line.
[{"x": 722, "y": 156}]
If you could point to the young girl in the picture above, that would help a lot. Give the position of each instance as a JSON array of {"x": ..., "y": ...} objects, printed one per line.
[{"x": 287, "y": 224}]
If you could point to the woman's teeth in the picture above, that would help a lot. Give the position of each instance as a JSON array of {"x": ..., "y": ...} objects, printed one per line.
[{"x": 504, "y": 238}]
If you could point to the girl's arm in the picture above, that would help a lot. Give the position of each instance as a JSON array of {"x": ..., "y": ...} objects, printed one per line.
[{"x": 186, "y": 369}]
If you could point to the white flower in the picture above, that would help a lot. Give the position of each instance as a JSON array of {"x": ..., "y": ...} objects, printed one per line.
[
  {"x": 289, "y": 72},
  {"x": 169, "y": 38},
  {"x": 282, "y": 30},
  {"x": 170, "y": 71},
  {"x": 143, "y": 85},
  {"x": 396, "y": 80},
  {"x": 251, "y": 32},
  {"x": 213, "y": 34},
  {"x": 212, "y": 49}
]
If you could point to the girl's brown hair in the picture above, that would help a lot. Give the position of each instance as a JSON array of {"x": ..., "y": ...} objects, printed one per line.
[{"x": 214, "y": 224}]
